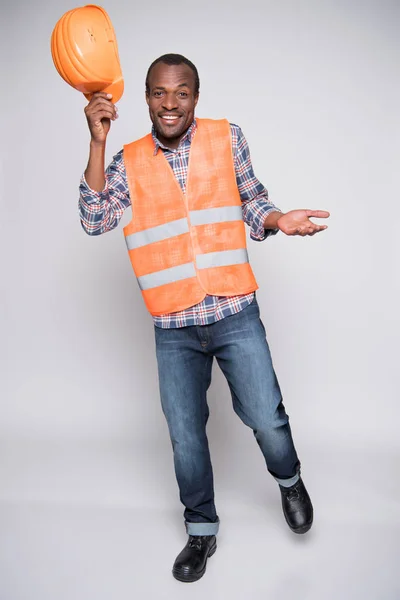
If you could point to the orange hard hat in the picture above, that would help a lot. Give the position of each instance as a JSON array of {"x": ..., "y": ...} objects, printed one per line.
[{"x": 85, "y": 53}]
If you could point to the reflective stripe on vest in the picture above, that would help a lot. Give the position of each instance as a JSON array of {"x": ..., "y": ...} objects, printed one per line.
[
  {"x": 203, "y": 261},
  {"x": 156, "y": 234},
  {"x": 146, "y": 282},
  {"x": 222, "y": 259},
  {"x": 205, "y": 216}
]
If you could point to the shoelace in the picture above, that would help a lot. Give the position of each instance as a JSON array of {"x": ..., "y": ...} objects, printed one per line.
[
  {"x": 195, "y": 542},
  {"x": 293, "y": 494}
]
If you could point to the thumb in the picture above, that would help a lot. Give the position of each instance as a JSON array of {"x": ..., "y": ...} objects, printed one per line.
[{"x": 318, "y": 214}]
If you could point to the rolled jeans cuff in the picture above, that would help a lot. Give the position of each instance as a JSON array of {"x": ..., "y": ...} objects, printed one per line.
[
  {"x": 288, "y": 482},
  {"x": 202, "y": 528}
]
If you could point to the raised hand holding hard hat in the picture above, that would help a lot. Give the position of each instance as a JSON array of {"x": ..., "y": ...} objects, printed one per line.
[
  {"x": 85, "y": 52},
  {"x": 99, "y": 113}
]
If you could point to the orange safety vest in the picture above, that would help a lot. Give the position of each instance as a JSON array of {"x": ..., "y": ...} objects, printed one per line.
[{"x": 185, "y": 246}]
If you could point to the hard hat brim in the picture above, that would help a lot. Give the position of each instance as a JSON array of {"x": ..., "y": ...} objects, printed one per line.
[{"x": 116, "y": 89}]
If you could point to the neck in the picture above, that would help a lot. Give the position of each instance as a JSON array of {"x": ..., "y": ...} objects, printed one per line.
[{"x": 171, "y": 143}]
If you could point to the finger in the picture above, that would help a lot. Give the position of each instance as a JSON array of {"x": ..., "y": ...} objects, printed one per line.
[
  {"x": 318, "y": 214},
  {"x": 101, "y": 106},
  {"x": 102, "y": 114},
  {"x": 100, "y": 119},
  {"x": 101, "y": 95},
  {"x": 318, "y": 230},
  {"x": 311, "y": 225},
  {"x": 100, "y": 103},
  {"x": 300, "y": 231},
  {"x": 307, "y": 230}
]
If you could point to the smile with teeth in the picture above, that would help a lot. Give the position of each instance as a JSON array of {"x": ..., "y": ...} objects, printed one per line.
[{"x": 170, "y": 117}]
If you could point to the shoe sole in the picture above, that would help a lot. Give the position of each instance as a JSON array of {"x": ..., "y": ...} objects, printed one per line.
[{"x": 185, "y": 577}]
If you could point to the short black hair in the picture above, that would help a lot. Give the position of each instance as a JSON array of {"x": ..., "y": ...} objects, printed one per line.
[{"x": 174, "y": 59}]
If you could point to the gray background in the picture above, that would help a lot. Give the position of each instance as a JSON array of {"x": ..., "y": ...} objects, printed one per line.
[{"x": 89, "y": 505}]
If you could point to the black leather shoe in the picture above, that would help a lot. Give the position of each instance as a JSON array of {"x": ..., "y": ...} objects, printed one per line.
[
  {"x": 297, "y": 507},
  {"x": 191, "y": 563}
]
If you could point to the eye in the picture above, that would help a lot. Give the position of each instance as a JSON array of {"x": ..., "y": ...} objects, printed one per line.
[
  {"x": 157, "y": 93},
  {"x": 183, "y": 94}
]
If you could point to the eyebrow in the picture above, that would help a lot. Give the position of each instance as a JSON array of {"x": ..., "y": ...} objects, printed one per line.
[{"x": 159, "y": 87}]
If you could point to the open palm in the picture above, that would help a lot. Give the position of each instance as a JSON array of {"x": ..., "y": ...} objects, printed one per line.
[{"x": 297, "y": 222}]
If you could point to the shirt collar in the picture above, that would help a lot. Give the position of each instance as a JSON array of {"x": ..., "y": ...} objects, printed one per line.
[{"x": 187, "y": 138}]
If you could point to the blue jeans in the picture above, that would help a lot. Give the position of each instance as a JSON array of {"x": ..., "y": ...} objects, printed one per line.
[{"x": 185, "y": 357}]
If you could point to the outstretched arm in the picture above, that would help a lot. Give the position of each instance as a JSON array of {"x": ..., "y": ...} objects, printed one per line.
[{"x": 256, "y": 206}]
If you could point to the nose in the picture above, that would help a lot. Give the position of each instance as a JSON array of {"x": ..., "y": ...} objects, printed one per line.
[{"x": 170, "y": 102}]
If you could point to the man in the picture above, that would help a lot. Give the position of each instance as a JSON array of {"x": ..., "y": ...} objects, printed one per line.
[{"x": 191, "y": 187}]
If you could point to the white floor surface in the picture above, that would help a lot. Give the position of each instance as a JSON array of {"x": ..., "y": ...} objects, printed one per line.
[{"x": 75, "y": 524}]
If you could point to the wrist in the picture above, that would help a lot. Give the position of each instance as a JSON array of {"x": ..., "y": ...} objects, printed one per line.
[
  {"x": 271, "y": 220},
  {"x": 96, "y": 145}
]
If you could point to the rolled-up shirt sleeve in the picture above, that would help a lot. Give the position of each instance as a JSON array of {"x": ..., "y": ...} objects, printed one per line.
[
  {"x": 256, "y": 205},
  {"x": 100, "y": 212}
]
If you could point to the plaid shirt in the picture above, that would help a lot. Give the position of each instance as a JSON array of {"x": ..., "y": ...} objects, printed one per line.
[{"x": 101, "y": 211}]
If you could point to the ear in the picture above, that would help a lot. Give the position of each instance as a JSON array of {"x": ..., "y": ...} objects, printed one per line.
[
  {"x": 147, "y": 96},
  {"x": 196, "y": 100}
]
